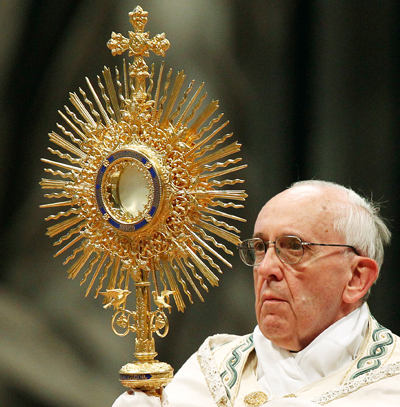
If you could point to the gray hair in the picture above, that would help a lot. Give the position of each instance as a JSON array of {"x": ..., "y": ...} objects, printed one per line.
[{"x": 359, "y": 223}]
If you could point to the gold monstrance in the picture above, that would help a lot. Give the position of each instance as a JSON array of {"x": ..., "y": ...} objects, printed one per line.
[{"x": 139, "y": 174}]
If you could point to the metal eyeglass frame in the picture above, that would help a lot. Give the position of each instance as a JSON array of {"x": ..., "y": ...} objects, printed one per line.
[{"x": 269, "y": 242}]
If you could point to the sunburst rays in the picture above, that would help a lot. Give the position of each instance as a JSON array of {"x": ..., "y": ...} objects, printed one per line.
[
  {"x": 139, "y": 180},
  {"x": 177, "y": 134}
]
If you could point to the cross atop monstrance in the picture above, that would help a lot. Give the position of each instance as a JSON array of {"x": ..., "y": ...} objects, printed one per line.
[{"x": 139, "y": 44}]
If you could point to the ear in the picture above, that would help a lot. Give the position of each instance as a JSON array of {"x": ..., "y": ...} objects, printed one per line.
[{"x": 365, "y": 272}]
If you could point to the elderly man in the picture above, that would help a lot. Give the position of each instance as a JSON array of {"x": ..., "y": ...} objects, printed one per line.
[{"x": 316, "y": 251}]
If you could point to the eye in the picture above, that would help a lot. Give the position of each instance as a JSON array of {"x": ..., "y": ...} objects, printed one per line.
[
  {"x": 259, "y": 246},
  {"x": 292, "y": 243},
  {"x": 252, "y": 251},
  {"x": 289, "y": 249},
  {"x": 289, "y": 244}
]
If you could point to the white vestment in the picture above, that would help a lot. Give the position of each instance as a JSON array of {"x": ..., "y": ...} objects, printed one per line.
[
  {"x": 225, "y": 371},
  {"x": 280, "y": 372}
]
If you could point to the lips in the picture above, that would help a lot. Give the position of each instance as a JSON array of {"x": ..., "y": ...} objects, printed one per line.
[{"x": 271, "y": 298}]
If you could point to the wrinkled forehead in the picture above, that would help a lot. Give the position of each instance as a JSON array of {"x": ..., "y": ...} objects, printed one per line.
[{"x": 304, "y": 208}]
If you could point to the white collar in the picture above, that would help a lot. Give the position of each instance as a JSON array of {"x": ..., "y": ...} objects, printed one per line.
[{"x": 284, "y": 372}]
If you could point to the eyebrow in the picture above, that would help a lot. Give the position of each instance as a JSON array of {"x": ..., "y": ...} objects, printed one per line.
[{"x": 259, "y": 235}]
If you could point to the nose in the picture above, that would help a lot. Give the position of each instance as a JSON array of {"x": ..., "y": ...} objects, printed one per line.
[{"x": 270, "y": 266}]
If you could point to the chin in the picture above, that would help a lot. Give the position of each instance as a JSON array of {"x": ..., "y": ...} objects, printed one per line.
[
  {"x": 278, "y": 331},
  {"x": 284, "y": 342}
]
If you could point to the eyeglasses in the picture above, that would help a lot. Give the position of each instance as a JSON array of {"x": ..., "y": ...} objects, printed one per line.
[{"x": 289, "y": 249}]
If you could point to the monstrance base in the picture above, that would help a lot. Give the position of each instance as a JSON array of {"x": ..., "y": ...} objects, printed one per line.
[{"x": 147, "y": 376}]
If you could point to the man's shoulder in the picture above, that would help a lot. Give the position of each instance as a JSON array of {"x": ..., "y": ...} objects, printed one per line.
[
  {"x": 221, "y": 359},
  {"x": 224, "y": 341},
  {"x": 381, "y": 344},
  {"x": 380, "y": 349}
]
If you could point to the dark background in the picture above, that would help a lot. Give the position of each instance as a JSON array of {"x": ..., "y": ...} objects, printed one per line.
[{"x": 311, "y": 89}]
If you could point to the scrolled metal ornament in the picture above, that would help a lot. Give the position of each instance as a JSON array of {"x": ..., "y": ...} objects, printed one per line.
[
  {"x": 122, "y": 319},
  {"x": 159, "y": 321},
  {"x": 141, "y": 175}
]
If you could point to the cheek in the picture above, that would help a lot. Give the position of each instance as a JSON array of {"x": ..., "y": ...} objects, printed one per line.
[
  {"x": 306, "y": 307},
  {"x": 305, "y": 296},
  {"x": 312, "y": 300},
  {"x": 258, "y": 282},
  {"x": 255, "y": 279}
]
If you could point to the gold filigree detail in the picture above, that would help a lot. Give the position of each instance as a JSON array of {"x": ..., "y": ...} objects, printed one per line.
[
  {"x": 168, "y": 141},
  {"x": 113, "y": 201},
  {"x": 182, "y": 156},
  {"x": 255, "y": 399},
  {"x": 115, "y": 297}
]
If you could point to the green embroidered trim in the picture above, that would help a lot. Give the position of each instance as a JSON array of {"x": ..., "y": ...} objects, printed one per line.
[
  {"x": 382, "y": 338},
  {"x": 354, "y": 385},
  {"x": 233, "y": 362}
]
